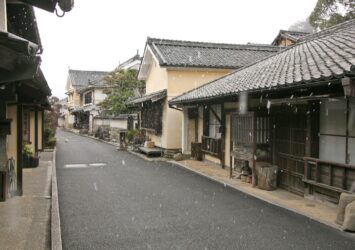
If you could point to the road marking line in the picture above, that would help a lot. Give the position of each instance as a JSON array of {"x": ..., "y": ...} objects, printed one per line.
[
  {"x": 95, "y": 186},
  {"x": 75, "y": 166},
  {"x": 97, "y": 164}
]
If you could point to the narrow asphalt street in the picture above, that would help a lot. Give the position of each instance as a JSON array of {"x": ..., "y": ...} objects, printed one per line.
[{"x": 111, "y": 199}]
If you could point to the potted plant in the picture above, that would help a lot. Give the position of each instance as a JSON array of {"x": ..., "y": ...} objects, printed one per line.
[
  {"x": 29, "y": 159},
  {"x": 27, "y": 153}
]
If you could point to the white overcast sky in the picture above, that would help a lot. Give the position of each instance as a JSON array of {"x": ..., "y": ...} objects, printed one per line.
[{"x": 97, "y": 35}]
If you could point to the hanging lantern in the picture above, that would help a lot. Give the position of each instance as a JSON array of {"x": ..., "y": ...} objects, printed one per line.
[{"x": 66, "y": 5}]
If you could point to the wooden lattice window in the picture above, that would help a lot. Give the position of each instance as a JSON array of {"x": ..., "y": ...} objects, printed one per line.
[
  {"x": 152, "y": 115},
  {"x": 88, "y": 98},
  {"x": 251, "y": 136}
]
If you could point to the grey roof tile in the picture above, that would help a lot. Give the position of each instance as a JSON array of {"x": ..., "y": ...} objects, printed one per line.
[
  {"x": 176, "y": 53},
  {"x": 153, "y": 97},
  {"x": 83, "y": 78},
  {"x": 325, "y": 55}
]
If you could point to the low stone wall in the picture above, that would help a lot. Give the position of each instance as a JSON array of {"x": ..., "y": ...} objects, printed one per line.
[
  {"x": 115, "y": 134},
  {"x": 111, "y": 127}
]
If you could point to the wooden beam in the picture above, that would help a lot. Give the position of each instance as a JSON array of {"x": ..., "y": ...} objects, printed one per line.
[
  {"x": 347, "y": 154},
  {"x": 8, "y": 58},
  {"x": 19, "y": 147},
  {"x": 215, "y": 114},
  {"x": 8, "y": 94},
  {"x": 36, "y": 130},
  {"x": 19, "y": 72}
]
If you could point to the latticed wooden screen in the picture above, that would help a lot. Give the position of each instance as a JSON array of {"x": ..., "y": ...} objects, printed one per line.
[
  {"x": 243, "y": 129},
  {"x": 152, "y": 116}
]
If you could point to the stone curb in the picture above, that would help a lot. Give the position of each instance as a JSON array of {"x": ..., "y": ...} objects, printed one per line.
[{"x": 56, "y": 238}]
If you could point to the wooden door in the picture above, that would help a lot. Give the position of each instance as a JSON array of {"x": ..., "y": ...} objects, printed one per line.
[{"x": 290, "y": 146}]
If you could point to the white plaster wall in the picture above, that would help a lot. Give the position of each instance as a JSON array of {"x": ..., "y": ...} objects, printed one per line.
[
  {"x": 71, "y": 119},
  {"x": 332, "y": 121},
  {"x": 122, "y": 124},
  {"x": 61, "y": 122},
  {"x": 99, "y": 96}
]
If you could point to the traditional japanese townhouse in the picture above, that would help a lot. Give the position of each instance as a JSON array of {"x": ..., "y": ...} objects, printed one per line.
[
  {"x": 171, "y": 67},
  {"x": 132, "y": 63},
  {"x": 85, "y": 90},
  {"x": 23, "y": 89},
  {"x": 287, "y": 38},
  {"x": 295, "y": 109}
]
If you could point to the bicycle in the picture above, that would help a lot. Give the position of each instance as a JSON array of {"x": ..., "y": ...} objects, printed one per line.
[{"x": 11, "y": 173}]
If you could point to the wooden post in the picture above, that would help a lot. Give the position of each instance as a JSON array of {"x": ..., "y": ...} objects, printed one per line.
[
  {"x": 273, "y": 140},
  {"x": 223, "y": 136},
  {"x": 3, "y": 149},
  {"x": 347, "y": 154},
  {"x": 254, "y": 176},
  {"x": 36, "y": 130},
  {"x": 231, "y": 136},
  {"x": 330, "y": 175},
  {"x": 19, "y": 147},
  {"x": 196, "y": 126},
  {"x": 317, "y": 177},
  {"x": 306, "y": 176},
  {"x": 349, "y": 86},
  {"x": 308, "y": 145},
  {"x": 42, "y": 130},
  {"x": 344, "y": 178}
]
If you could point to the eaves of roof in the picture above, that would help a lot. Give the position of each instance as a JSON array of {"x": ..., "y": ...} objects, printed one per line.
[
  {"x": 317, "y": 59},
  {"x": 152, "y": 97}
]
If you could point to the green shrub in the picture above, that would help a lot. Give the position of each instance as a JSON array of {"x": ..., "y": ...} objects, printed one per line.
[
  {"x": 131, "y": 134},
  {"x": 49, "y": 137},
  {"x": 26, "y": 149}
]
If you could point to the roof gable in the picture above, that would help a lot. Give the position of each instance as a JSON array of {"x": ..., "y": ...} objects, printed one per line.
[
  {"x": 132, "y": 63},
  {"x": 293, "y": 36}
]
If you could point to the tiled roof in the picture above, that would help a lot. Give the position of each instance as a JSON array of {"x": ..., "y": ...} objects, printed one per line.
[
  {"x": 326, "y": 55},
  {"x": 18, "y": 44},
  {"x": 153, "y": 97},
  {"x": 82, "y": 78},
  {"x": 174, "y": 53},
  {"x": 291, "y": 35},
  {"x": 132, "y": 63},
  {"x": 41, "y": 82}
]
